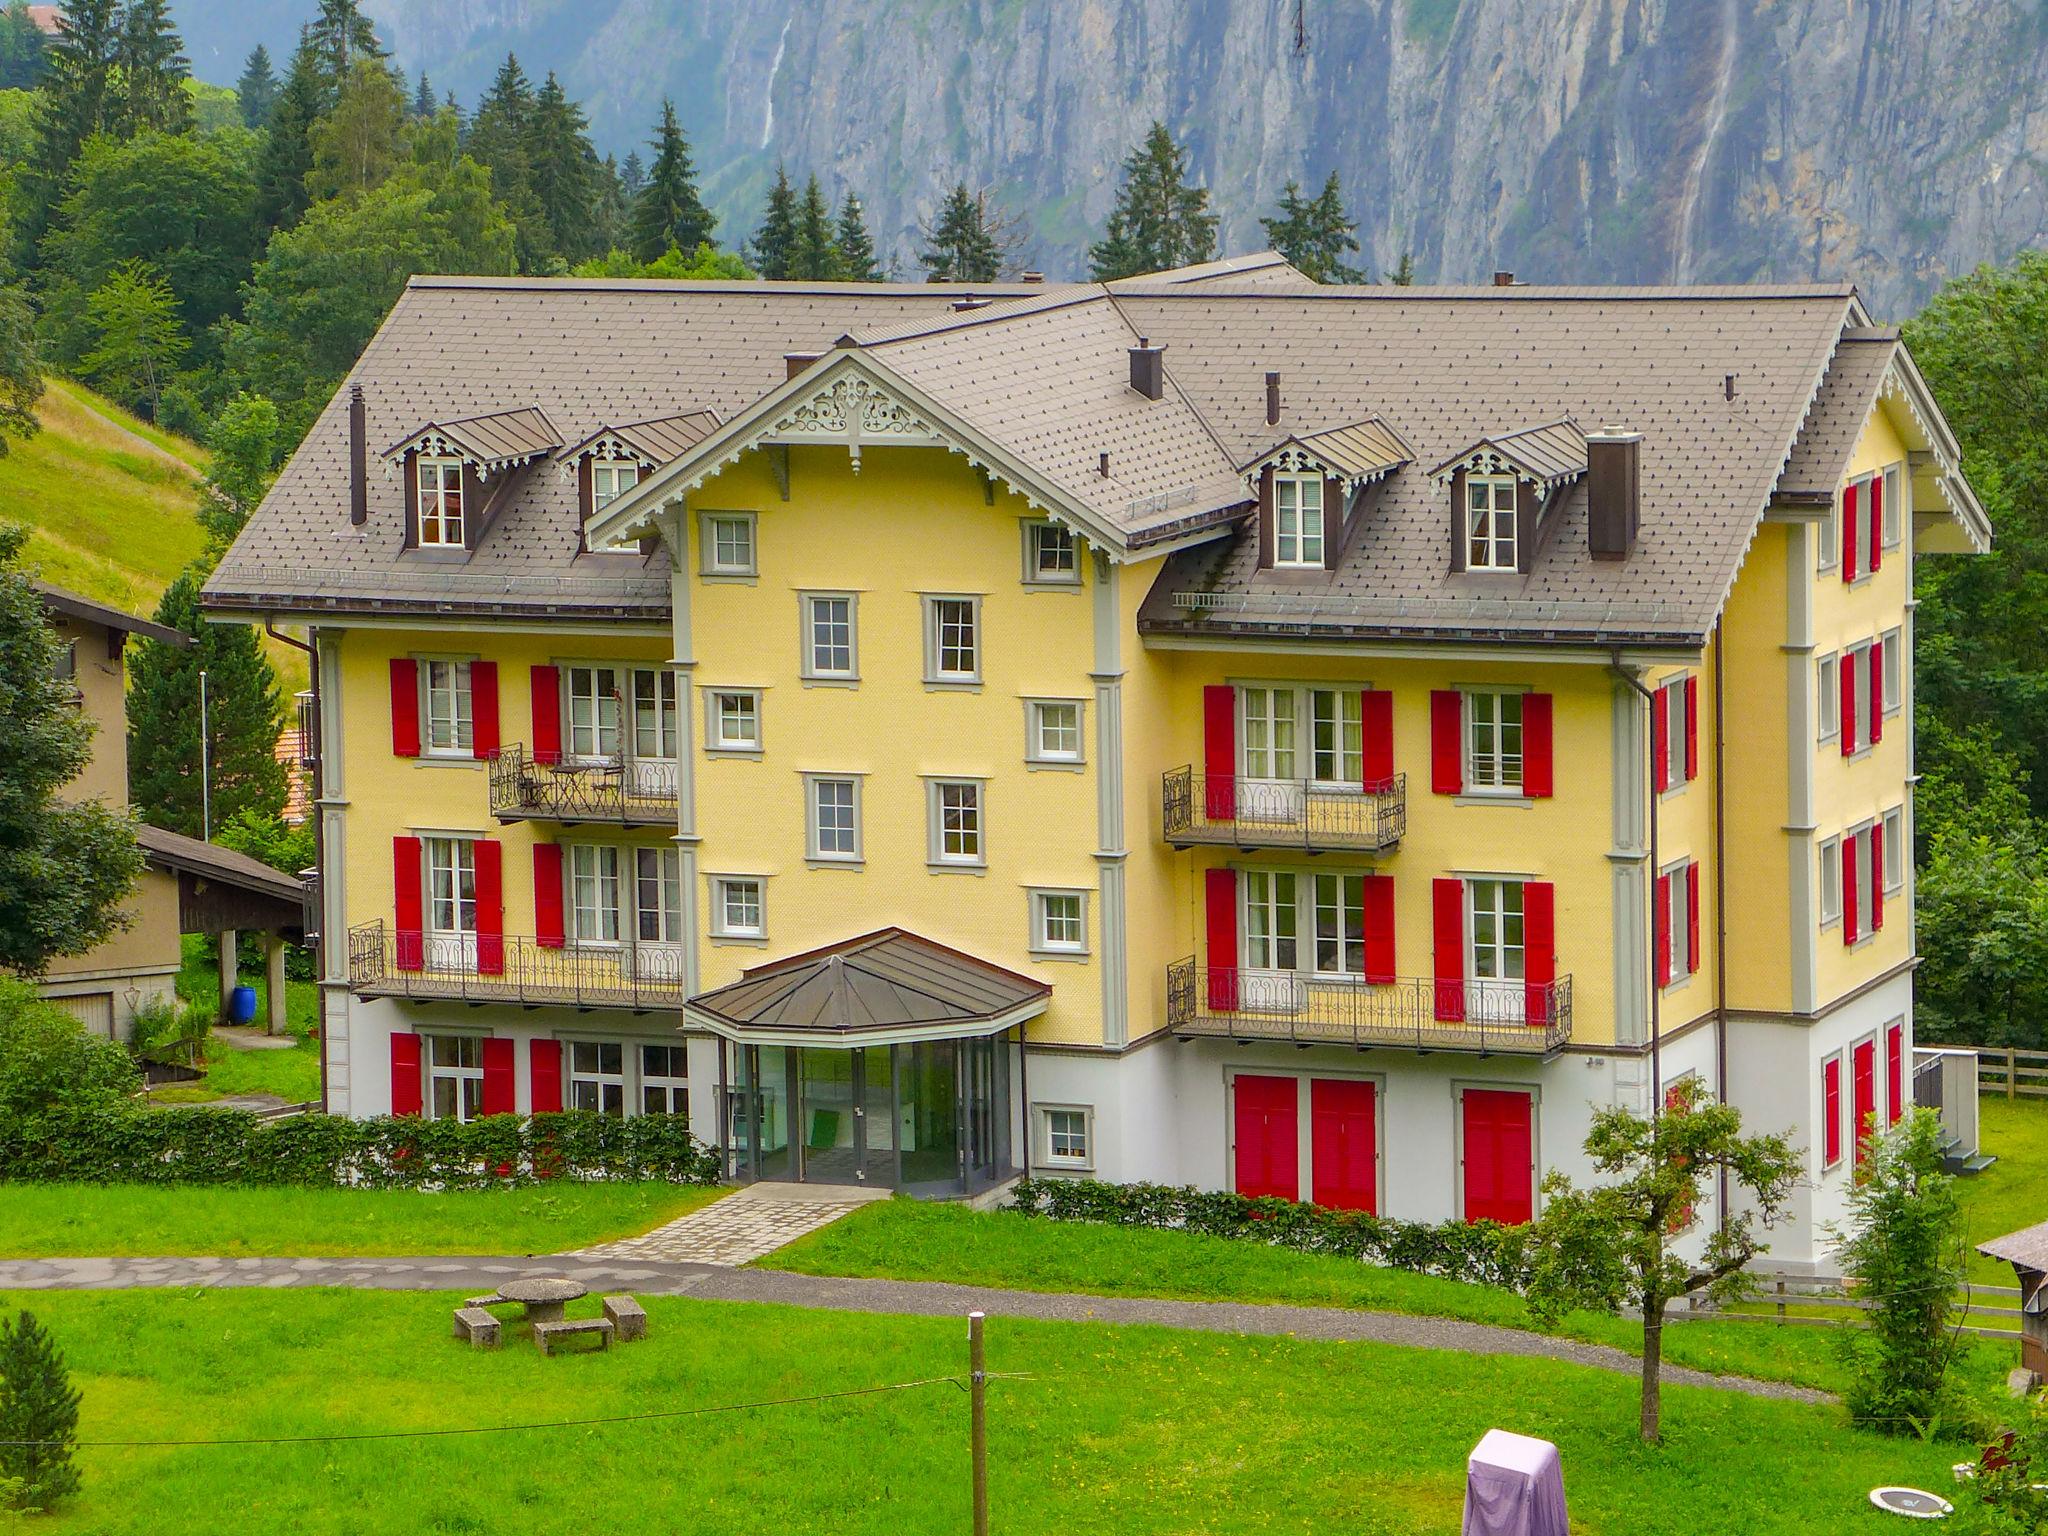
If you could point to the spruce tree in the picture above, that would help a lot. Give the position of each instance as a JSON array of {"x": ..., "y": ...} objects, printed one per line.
[
  {"x": 23, "y": 50},
  {"x": 256, "y": 91},
  {"x": 154, "y": 69},
  {"x": 340, "y": 35},
  {"x": 814, "y": 257},
  {"x": 244, "y": 714},
  {"x": 668, "y": 211},
  {"x": 774, "y": 243},
  {"x": 1403, "y": 275},
  {"x": 607, "y": 204},
  {"x": 1160, "y": 220},
  {"x": 38, "y": 1416},
  {"x": 563, "y": 170},
  {"x": 1313, "y": 233},
  {"x": 77, "y": 100},
  {"x": 632, "y": 174},
  {"x": 287, "y": 156},
  {"x": 498, "y": 140},
  {"x": 967, "y": 242},
  {"x": 856, "y": 247},
  {"x": 423, "y": 99}
]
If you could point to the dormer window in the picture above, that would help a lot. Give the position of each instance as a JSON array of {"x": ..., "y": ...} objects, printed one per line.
[
  {"x": 611, "y": 479},
  {"x": 440, "y": 503},
  {"x": 1493, "y": 541},
  {"x": 1298, "y": 521}
]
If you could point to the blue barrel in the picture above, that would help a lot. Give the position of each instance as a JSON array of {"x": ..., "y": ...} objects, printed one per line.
[{"x": 242, "y": 1005}]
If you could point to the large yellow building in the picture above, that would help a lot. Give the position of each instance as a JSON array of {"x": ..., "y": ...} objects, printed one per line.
[{"x": 1210, "y": 728}]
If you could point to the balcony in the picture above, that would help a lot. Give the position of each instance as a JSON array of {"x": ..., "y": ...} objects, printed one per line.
[
  {"x": 1237, "y": 812},
  {"x": 624, "y": 791},
  {"x": 1485, "y": 1018},
  {"x": 484, "y": 968}
]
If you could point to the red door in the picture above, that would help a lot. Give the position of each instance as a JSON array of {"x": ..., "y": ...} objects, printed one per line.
[
  {"x": 1863, "y": 1090},
  {"x": 1342, "y": 1144},
  {"x": 1500, "y": 1162},
  {"x": 1267, "y": 1122}
]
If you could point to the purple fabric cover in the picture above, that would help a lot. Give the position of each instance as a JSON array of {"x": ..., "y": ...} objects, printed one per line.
[{"x": 1514, "y": 1486}]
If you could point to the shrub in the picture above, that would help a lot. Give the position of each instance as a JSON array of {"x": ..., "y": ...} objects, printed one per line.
[
  {"x": 157, "y": 1023},
  {"x": 38, "y": 1417},
  {"x": 47, "y": 1059}
]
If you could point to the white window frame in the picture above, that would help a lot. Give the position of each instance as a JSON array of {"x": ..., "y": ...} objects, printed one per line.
[
  {"x": 1673, "y": 689},
  {"x": 1269, "y": 920},
  {"x": 1857, "y": 659},
  {"x": 608, "y": 469},
  {"x": 1830, "y": 898},
  {"x": 1042, "y": 1132},
  {"x": 1828, "y": 547},
  {"x": 715, "y": 563},
  {"x": 1496, "y": 780},
  {"x": 1281, "y": 906},
  {"x": 1678, "y": 914},
  {"x": 1261, "y": 723},
  {"x": 459, "y": 718},
  {"x": 1041, "y": 535},
  {"x": 1894, "y": 823},
  {"x": 659, "y": 871},
  {"x": 716, "y": 738},
  {"x": 456, "y": 856},
  {"x": 1828, "y": 683},
  {"x": 467, "y": 1080},
  {"x": 1894, "y": 506},
  {"x": 1864, "y": 834},
  {"x": 971, "y": 808},
  {"x": 726, "y": 891},
  {"x": 440, "y": 520},
  {"x": 1484, "y": 552},
  {"x": 673, "y": 1086},
  {"x": 807, "y": 605},
  {"x": 1035, "y": 749},
  {"x": 1503, "y": 956},
  {"x": 1042, "y": 941},
  {"x": 584, "y": 742},
  {"x": 1350, "y": 949},
  {"x": 576, "y": 1074},
  {"x": 940, "y": 614},
  {"x": 1864, "y": 553},
  {"x": 666, "y": 719},
  {"x": 814, "y": 850},
  {"x": 1299, "y": 546},
  {"x": 595, "y": 870},
  {"x": 1894, "y": 642}
]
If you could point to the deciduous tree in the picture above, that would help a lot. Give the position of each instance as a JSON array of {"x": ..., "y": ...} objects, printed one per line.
[
  {"x": 22, "y": 49},
  {"x": 138, "y": 341},
  {"x": 355, "y": 146}
]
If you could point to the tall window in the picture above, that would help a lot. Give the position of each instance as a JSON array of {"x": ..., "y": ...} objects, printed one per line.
[
  {"x": 657, "y": 896},
  {"x": 449, "y": 731},
  {"x": 1894, "y": 507},
  {"x": 1675, "y": 919},
  {"x": 594, "y": 893},
  {"x": 455, "y": 1077},
  {"x": 1491, "y": 523},
  {"x": 828, "y": 636},
  {"x": 1336, "y": 736},
  {"x": 664, "y": 1080},
  {"x": 1827, "y": 682},
  {"x": 952, "y": 639},
  {"x": 440, "y": 502},
  {"x": 595, "y": 695},
  {"x": 835, "y": 818},
  {"x": 1496, "y": 929},
  {"x": 1298, "y": 520},
  {"x": 611, "y": 479},
  {"x": 654, "y": 711},
  {"x": 1493, "y": 742},
  {"x": 597, "y": 1076},
  {"x": 1894, "y": 653},
  {"x": 1894, "y": 850},
  {"x": 1269, "y": 721},
  {"x": 956, "y": 822},
  {"x": 1270, "y": 932},
  {"x": 1674, "y": 733},
  {"x": 1340, "y": 925},
  {"x": 1830, "y": 881},
  {"x": 451, "y": 885}
]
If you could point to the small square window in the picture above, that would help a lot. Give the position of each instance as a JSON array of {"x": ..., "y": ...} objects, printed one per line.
[
  {"x": 829, "y": 641},
  {"x": 1830, "y": 881},
  {"x": 1059, "y": 922},
  {"x": 956, "y": 822},
  {"x": 1055, "y": 731},
  {"x": 733, "y": 719},
  {"x": 834, "y": 817},
  {"x": 736, "y": 906},
  {"x": 728, "y": 544},
  {"x": 952, "y": 649},
  {"x": 1298, "y": 520},
  {"x": 1829, "y": 685},
  {"x": 1051, "y": 556},
  {"x": 1065, "y": 1139},
  {"x": 1894, "y": 850}
]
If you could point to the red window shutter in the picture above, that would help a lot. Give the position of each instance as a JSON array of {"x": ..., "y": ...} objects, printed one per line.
[
  {"x": 408, "y": 894},
  {"x": 405, "y": 707},
  {"x": 1875, "y": 696},
  {"x": 1376, "y": 738},
  {"x": 1692, "y": 919},
  {"x": 1846, "y": 671},
  {"x": 406, "y": 1082},
  {"x": 1220, "y": 890},
  {"x": 1219, "y": 752},
  {"x": 483, "y": 707},
  {"x": 490, "y": 907},
  {"x": 1863, "y": 1096},
  {"x": 1447, "y": 909},
  {"x": 1539, "y": 949},
  {"x": 544, "y": 1075},
  {"x": 1660, "y": 737},
  {"x": 547, "y": 895},
  {"x": 498, "y": 1075},
  {"x": 1692, "y": 728},
  {"x": 547, "y": 714},
  {"x": 1848, "y": 890},
  {"x": 1536, "y": 771},
  {"x": 1379, "y": 928},
  {"x": 1831, "y": 1111},
  {"x": 1446, "y": 750},
  {"x": 1660, "y": 930},
  {"x": 1849, "y": 534},
  {"x": 1876, "y": 523},
  {"x": 1894, "y": 1073},
  {"x": 1877, "y": 877}
]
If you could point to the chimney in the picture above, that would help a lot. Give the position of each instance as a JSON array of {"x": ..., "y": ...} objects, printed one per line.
[
  {"x": 358, "y": 457},
  {"x": 1148, "y": 369},
  {"x": 1102, "y": 464},
  {"x": 794, "y": 363},
  {"x": 967, "y": 302},
  {"x": 1033, "y": 277},
  {"x": 1503, "y": 279},
  {"x": 1272, "y": 397},
  {"x": 1613, "y": 491}
]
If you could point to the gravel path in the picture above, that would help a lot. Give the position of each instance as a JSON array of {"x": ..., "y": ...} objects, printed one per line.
[{"x": 918, "y": 1298}]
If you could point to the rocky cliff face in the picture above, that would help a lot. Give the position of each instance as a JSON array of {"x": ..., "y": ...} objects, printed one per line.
[{"x": 1892, "y": 141}]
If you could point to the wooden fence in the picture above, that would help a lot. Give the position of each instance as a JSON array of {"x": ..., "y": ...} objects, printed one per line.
[
  {"x": 1834, "y": 1297},
  {"x": 2014, "y": 1073}
]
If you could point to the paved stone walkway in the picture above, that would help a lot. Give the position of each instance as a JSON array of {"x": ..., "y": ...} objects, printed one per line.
[
  {"x": 740, "y": 1227},
  {"x": 912, "y": 1297}
]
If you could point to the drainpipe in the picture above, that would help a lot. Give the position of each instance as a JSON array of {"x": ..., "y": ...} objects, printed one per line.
[
  {"x": 1656, "y": 995},
  {"x": 319, "y": 828},
  {"x": 1720, "y": 914}
]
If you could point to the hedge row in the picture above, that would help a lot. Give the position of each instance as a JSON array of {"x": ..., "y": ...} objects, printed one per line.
[
  {"x": 1482, "y": 1251},
  {"x": 218, "y": 1146}
]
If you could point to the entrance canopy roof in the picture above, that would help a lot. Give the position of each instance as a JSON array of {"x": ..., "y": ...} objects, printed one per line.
[{"x": 883, "y": 988}]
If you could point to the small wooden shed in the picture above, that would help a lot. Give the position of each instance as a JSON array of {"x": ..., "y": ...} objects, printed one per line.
[{"x": 2027, "y": 1252}]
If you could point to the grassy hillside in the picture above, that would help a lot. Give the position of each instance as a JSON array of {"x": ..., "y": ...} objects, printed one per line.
[{"x": 109, "y": 500}]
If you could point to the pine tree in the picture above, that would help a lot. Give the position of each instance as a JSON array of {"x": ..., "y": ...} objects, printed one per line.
[
  {"x": 774, "y": 243},
  {"x": 23, "y": 51},
  {"x": 1160, "y": 221},
  {"x": 856, "y": 247},
  {"x": 423, "y": 99},
  {"x": 632, "y": 174},
  {"x": 154, "y": 69},
  {"x": 78, "y": 99},
  {"x": 287, "y": 156},
  {"x": 814, "y": 257},
  {"x": 607, "y": 205},
  {"x": 498, "y": 140},
  {"x": 244, "y": 714},
  {"x": 668, "y": 211},
  {"x": 1403, "y": 275},
  {"x": 340, "y": 35},
  {"x": 968, "y": 242},
  {"x": 563, "y": 170},
  {"x": 256, "y": 91},
  {"x": 1313, "y": 233},
  {"x": 38, "y": 1416}
]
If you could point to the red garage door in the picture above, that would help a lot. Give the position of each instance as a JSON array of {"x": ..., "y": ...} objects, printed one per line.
[
  {"x": 1342, "y": 1143},
  {"x": 1266, "y": 1125},
  {"x": 1500, "y": 1163}
]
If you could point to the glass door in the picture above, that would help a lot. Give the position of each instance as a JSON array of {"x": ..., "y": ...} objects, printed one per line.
[
  {"x": 874, "y": 1070},
  {"x": 1497, "y": 994},
  {"x": 831, "y": 1148},
  {"x": 1269, "y": 789}
]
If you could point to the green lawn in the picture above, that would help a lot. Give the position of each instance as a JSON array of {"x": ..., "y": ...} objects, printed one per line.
[
  {"x": 58, "y": 1220},
  {"x": 1123, "y": 1430},
  {"x": 2013, "y": 1192},
  {"x": 293, "y": 1075}
]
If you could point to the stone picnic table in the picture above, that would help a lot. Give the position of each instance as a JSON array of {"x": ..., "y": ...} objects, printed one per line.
[{"x": 543, "y": 1296}]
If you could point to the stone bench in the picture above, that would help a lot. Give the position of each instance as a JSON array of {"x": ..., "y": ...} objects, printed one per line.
[
  {"x": 545, "y": 1334},
  {"x": 473, "y": 1323},
  {"x": 627, "y": 1316}
]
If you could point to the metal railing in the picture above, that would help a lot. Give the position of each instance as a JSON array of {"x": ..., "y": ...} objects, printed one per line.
[
  {"x": 1280, "y": 813},
  {"x": 1485, "y": 1017},
  {"x": 385, "y": 962},
  {"x": 628, "y": 791}
]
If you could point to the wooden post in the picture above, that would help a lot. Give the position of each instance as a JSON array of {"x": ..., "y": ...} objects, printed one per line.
[
  {"x": 228, "y": 940},
  {"x": 977, "y": 1396},
  {"x": 273, "y": 983},
  {"x": 2011, "y": 1074}
]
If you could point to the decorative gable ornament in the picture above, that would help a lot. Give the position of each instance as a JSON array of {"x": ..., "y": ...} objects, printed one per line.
[
  {"x": 608, "y": 448},
  {"x": 500, "y": 440},
  {"x": 1356, "y": 455},
  {"x": 855, "y": 411},
  {"x": 1545, "y": 456}
]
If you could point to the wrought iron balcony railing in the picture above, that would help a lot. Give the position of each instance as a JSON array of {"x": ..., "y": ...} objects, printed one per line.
[
  {"x": 1240, "y": 812},
  {"x": 1481, "y": 1017},
  {"x": 387, "y": 962},
  {"x": 627, "y": 791}
]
